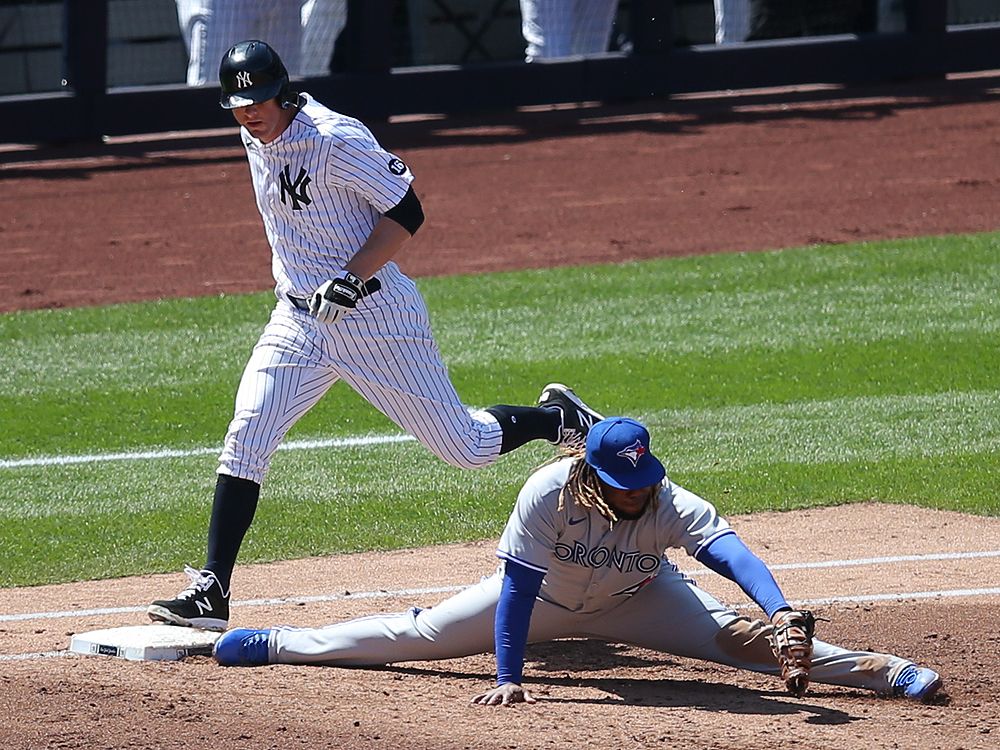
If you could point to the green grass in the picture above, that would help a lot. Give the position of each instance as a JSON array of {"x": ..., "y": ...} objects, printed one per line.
[{"x": 769, "y": 381}]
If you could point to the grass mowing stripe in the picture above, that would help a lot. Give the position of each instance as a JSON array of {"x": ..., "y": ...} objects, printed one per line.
[
  {"x": 840, "y": 430},
  {"x": 802, "y": 432},
  {"x": 760, "y": 301}
]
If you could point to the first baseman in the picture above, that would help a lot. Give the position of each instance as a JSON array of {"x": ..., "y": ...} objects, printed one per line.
[
  {"x": 583, "y": 556},
  {"x": 336, "y": 208}
]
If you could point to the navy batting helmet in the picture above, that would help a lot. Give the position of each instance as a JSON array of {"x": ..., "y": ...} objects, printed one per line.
[{"x": 250, "y": 73}]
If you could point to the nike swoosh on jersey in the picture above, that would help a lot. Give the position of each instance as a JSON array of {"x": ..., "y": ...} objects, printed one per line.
[{"x": 575, "y": 521}]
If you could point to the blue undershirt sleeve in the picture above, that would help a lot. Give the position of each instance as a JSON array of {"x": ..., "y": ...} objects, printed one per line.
[
  {"x": 510, "y": 626},
  {"x": 728, "y": 556}
]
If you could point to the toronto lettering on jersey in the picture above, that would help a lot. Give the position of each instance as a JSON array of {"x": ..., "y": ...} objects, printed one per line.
[
  {"x": 602, "y": 557},
  {"x": 295, "y": 190}
]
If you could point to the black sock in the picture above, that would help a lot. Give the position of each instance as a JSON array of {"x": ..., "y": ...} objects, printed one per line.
[
  {"x": 232, "y": 512},
  {"x": 521, "y": 424}
]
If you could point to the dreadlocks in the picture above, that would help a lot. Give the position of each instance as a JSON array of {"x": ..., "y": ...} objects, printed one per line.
[{"x": 584, "y": 487}]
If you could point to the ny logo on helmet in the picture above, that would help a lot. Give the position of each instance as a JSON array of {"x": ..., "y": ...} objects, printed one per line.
[{"x": 243, "y": 79}]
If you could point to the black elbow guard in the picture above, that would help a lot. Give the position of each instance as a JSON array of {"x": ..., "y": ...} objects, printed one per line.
[{"x": 408, "y": 213}]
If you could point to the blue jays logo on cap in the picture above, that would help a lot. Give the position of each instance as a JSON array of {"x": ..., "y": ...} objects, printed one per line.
[
  {"x": 633, "y": 453},
  {"x": 618, "y": 449}
]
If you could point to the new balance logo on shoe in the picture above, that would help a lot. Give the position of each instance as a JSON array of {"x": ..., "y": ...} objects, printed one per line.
[
  {"x": 203, "y": 604},
  {"x": 576, "y": 417}
]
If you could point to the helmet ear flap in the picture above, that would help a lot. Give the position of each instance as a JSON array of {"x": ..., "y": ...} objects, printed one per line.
[{"x": 288, "y": 98}]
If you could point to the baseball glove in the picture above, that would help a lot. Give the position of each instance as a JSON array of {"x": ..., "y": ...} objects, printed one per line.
[{"x": 791, "y": 641}]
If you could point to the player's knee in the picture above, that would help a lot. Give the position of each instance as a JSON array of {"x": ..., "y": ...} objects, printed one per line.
[
  {"x": 466, "y": 459},
  {"x": 238, "y": 461},
  {"x": 472, "y": 453},
  {"x": 242, "y": 471},
  {"x": 746, "y": 640}
]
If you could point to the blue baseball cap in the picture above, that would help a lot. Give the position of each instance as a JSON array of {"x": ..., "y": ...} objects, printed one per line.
[{"x": 618, "y": 449}]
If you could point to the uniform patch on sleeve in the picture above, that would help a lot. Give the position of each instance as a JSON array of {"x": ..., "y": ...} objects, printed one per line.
[{"x": 396, "y": 166}]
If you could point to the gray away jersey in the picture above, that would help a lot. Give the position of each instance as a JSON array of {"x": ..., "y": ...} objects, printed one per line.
[
  {"x": 588, "y": 562},
  {"x": 333, "y": 165}
]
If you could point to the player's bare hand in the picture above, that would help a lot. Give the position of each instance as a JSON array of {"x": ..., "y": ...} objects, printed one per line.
[
  {"x": 333, "y": 299},
  {"x": 504, "y": 695}
]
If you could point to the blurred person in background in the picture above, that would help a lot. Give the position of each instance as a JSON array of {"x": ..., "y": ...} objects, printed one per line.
[
  {"x": 773, "y": 20},
  {"x": 210, "y": 27},
  {"x": 560, "y": 28},
  {"x": 732, "y": 21},
  {"x": 322, "y": 22}
]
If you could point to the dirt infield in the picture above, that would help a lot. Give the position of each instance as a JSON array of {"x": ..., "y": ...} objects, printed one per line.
[
  {"x": 591, "y": 694},
  {"x": 175, "y": 216}
]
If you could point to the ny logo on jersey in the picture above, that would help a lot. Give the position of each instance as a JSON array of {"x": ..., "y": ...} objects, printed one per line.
[
  {"x": 243, "y": 79},
  {"x": 295, "y": 190},
  {"x": 633, "y": 452}
]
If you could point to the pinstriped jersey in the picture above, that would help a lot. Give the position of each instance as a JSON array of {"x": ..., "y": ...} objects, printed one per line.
[
  {"x": 589, "y": 564},
  {"x": 320, "y": 187}
]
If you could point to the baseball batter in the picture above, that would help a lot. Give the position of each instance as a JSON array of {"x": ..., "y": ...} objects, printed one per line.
[
  {"x": 583, "y": 555},
  {"x": 336, "y": 208}
]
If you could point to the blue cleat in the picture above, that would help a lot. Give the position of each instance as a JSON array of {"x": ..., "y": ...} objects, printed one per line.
[
  {"x": 917, "y": 683},
  {"x": 242, "y": 647}
]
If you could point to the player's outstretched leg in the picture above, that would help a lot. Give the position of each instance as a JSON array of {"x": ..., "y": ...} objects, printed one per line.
[
  {"x": 576, "y": 418},
  {"x": 673, "y": 615}
]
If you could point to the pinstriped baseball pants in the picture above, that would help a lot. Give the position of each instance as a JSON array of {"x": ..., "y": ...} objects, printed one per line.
[{"x": 385, "y": 351}]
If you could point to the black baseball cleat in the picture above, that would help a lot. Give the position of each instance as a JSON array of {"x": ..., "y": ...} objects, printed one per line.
[
  {"x": 576, "y": 418},
  {"x": 203, "y": 604}
]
